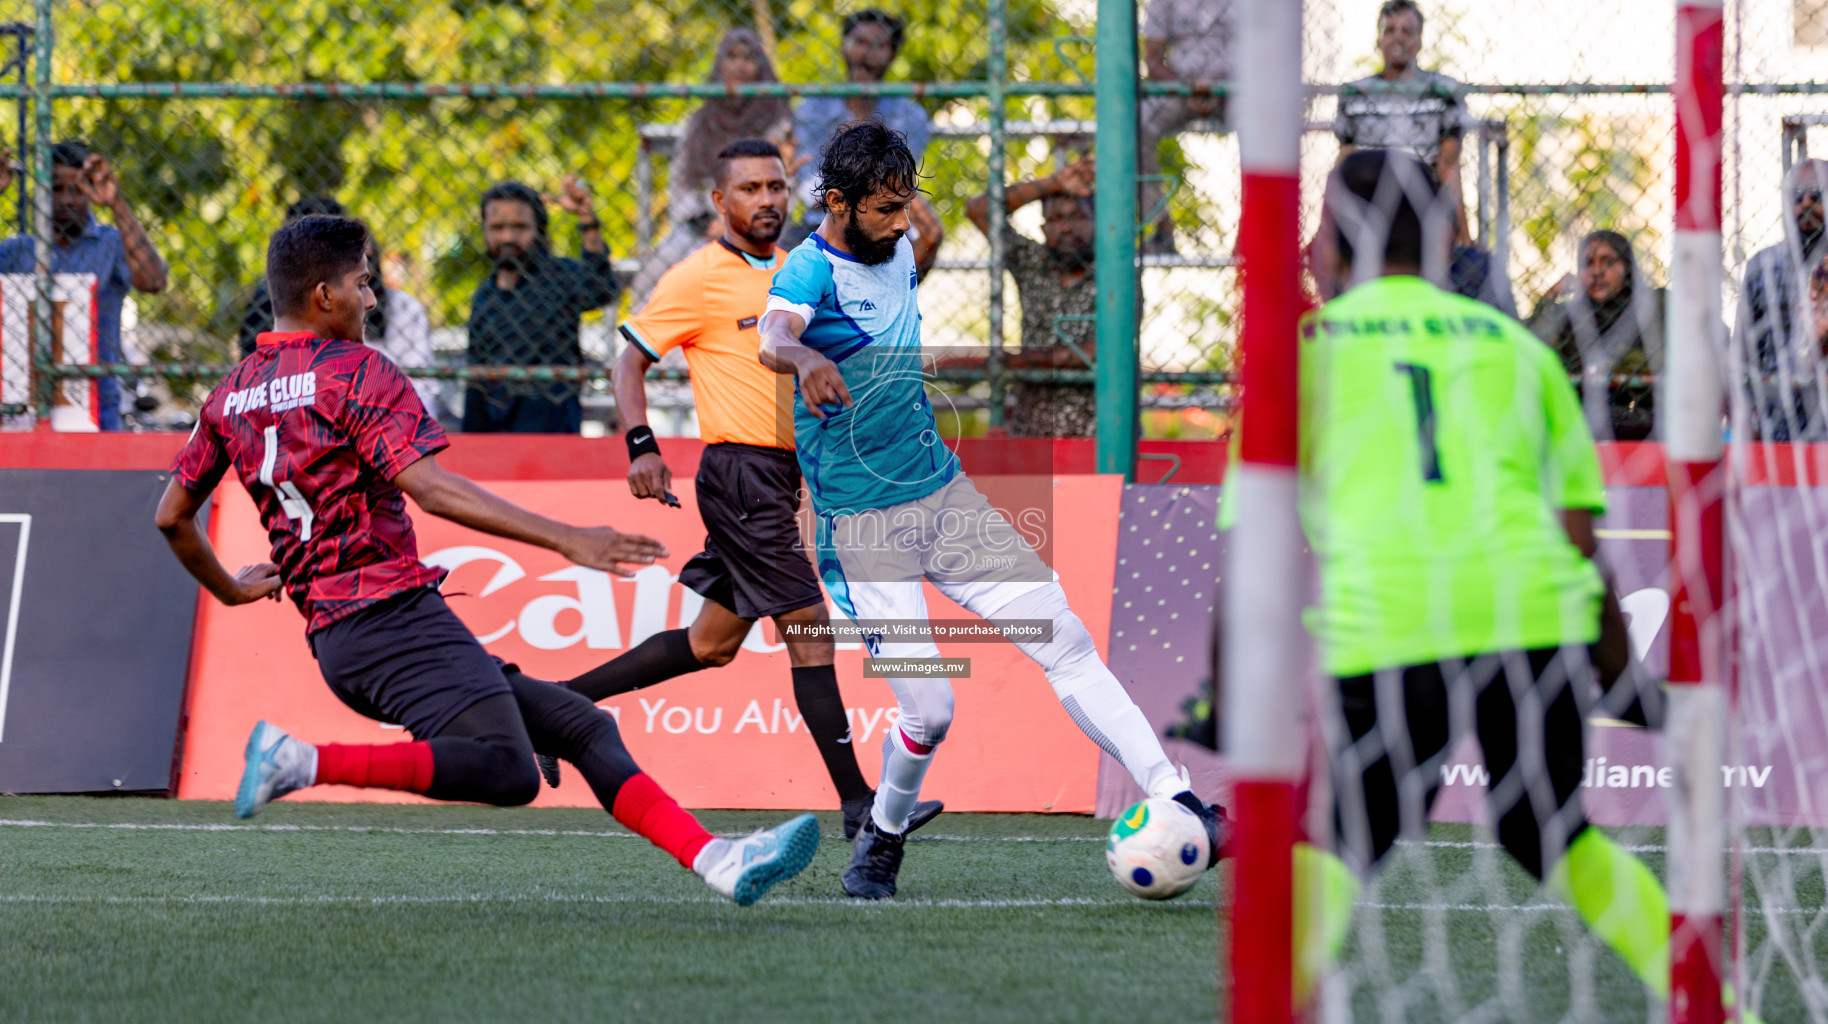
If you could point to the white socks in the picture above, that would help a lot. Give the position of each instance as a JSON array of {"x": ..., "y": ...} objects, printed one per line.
[
  {"x": 1097, "y": 702},
  {"x": 902, "y": 772},
  {"x": 708, "y": 857}
]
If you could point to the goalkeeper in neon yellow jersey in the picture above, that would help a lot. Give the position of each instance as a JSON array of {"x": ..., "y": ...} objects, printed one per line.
[{"x": 1448, "y": 490}]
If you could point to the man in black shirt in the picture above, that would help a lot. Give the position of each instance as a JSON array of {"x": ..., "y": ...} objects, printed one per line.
[{"x": 526, "y": 313}]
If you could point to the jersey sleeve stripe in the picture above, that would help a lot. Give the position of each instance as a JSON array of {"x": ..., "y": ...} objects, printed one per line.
[
  {"x": 628, "y": 331},
  {"x": 775, "y": 302}
]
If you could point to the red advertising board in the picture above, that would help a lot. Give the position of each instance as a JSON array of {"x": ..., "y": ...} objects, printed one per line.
[{"x": 728, "y": 737}]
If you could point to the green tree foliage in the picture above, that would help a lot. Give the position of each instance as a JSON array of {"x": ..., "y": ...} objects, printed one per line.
[{"x": 212, "y": 177}]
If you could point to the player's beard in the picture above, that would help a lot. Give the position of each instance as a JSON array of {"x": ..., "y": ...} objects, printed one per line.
[{"x": 865, "y": 249}]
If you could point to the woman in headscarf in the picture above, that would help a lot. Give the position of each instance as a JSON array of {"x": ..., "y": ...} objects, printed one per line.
[
  {"x": 740, "y": 60},
  {"x": 1607, "y": 326}
]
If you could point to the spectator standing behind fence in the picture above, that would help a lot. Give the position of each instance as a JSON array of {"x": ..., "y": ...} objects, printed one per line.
[
  {"x": 719, "y": 122},
  {"x": 1054, "y": 279},
  {"x": 871, "y": 39},
  {"x": 1608, "y": 323},
  {"x": 257, "y": 317},
  {"x": 120, "y": 257},
  {"x": 527, "y": 312},
  {"x": 1774, "y": 328},
  {"x": 1403, "y": 107},
  {"x": 1185, "y": 41}
]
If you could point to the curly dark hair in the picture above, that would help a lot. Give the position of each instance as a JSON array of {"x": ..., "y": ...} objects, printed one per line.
[{"x": 863, "y": 158}]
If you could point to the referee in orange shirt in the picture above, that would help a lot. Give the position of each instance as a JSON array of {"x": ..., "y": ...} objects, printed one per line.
[{"x": 754, "y": 564}]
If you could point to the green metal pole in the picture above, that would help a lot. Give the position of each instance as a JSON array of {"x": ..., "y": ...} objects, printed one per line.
[
  {"x": 998, "y": 71},
  {"x": 1116, "y": 237},
  {"x": 41, "y": 202}
]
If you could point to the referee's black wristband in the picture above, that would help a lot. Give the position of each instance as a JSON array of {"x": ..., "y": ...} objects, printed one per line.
[{"x": 640, "y": 442}]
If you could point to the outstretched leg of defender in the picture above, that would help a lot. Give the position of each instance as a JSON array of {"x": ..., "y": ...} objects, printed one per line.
[
  {"x": 567, "y": 725},
  {"x": 481, "y": 755},
  {"x": 712, "y": 641}
]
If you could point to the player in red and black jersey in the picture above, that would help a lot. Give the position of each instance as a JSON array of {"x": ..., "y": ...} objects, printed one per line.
[{"x": 329, "y": 438}]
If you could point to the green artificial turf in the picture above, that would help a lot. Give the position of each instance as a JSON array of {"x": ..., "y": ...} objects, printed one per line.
[{"x": 318, "y": 912}]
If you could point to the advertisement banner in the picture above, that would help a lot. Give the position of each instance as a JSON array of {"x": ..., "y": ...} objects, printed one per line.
[
  {"x": 728, "y": 737},
  {"x": 95, "y": 634}
]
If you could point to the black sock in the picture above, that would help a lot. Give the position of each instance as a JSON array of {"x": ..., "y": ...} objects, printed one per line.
[
  {"x": 566, "y": 725},
  {"x": 815, "y": 689},
  {"x": 659, "y": 657}
]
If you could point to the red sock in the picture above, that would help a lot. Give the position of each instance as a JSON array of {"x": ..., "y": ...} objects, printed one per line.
[
  {"x": 377, "y": 766},
  {"x": 643, "y": 806}
]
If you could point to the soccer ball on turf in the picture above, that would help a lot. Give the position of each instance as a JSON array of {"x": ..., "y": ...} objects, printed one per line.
[{"x": 1157, "y": 849}]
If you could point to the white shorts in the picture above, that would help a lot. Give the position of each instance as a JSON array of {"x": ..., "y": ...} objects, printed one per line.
[{"x": 873, "y": 562}]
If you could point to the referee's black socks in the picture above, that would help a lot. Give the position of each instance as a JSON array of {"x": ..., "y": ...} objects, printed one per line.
[
  {"x": 658, "y": 658},
  {"x": 815, "y": 690}
]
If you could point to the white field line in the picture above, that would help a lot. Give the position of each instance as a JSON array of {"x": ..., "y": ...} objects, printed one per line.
[
  {"x": 1467, "y": 908},
  {"x": 1204, "y": 906},
  {"x": 396, "y": 830},
  {"x": 1797, "y": 851},
  {"x": 615, "y": 834},
  {"x": 1540, "y": 908}
]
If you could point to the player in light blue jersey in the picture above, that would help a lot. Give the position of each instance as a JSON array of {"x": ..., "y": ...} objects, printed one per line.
[
  {"x": 893, "y": 507},
  {"x": 878, "y": 445}
]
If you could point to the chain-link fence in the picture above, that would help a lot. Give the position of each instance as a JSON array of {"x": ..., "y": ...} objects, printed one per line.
[{"x": 217, "y": 118}]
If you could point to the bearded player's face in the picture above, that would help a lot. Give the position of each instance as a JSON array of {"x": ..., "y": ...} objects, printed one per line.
[
  {"x": 752, "y": 197},
  {"x": 876, "y": 224}
]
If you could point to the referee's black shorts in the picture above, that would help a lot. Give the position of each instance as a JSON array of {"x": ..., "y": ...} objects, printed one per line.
[
  {"x": 754, "y": 562},
  {"x": 1525, "y": 707}
]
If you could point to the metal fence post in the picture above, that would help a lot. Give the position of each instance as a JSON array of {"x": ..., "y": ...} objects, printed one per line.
[
  {"x": 1116, "y": 274},
  {"x": 42, "y": 341},
  {"x": 999, "y": 70}
]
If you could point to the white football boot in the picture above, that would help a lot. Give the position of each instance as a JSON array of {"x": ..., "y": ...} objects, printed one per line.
[
  {"x": 745, "y": 869},
  {"x": 277, "y": 764}
]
